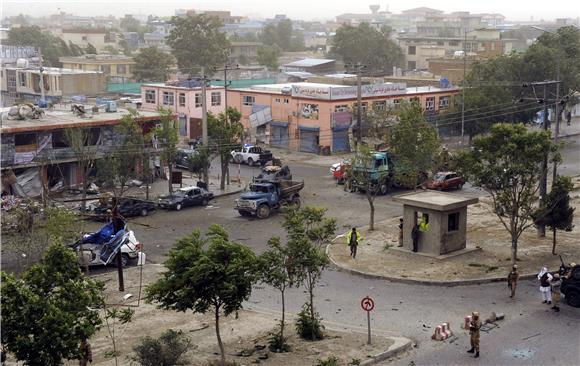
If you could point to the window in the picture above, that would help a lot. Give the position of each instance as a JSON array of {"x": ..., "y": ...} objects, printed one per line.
[
  {"x": 59, "y": 140},
  {"x": 411, "y": 50},
  {"x": 381, "y": 105},
  {"x": 411, "y": 65},
  {"x": 248, "y": 100},
  {"x": 277, "y": 100},
  {"x": 396, "y": 103},
  {"x": 182, "y": 99},
  {"x": 197, "y": 100},
  {"x": 443, "y": 102},
  {"x": 150, "y": 96},
  {"x": 22, "y": 78},
  {"x": 168, "y": 98},
  {"x": 453, "y": 222},
  {"x": 440, "y": 43},
  {"x": 25, "y": 142},
  {"x": 286, "y": 100},
  {"x": 216, "y": 99},
  {"x": 454, "y": 43},
  {"x": 363, "y": 107},
  {"x": 341, "y": 108},
  {"x": 430, "y": 104},
  {"x": 106, "y": 69},
  {"x": 84, "y": 38},
  {"x": 121, "y": 69}
]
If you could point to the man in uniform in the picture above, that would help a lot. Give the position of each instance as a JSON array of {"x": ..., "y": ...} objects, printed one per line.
[
  {"x": 400, "y": 232},
  {"x": 474, "y": 327},
  {"x": 555, "y": 285},
  {"x": 512, "y": 280}
]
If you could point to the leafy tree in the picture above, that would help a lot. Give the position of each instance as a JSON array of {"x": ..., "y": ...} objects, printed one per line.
[
  {"x": 556, "y": 212},
  {"x": 368, "y": 46},
  {"x": 283, "y": 35},
  {"x": 366, "y": 158},
  {"x": 224, "y": 135},
  {"x": 307, "y": 232},
  {"x": 197, "y": 41},
  {"x": 168, "y": 138},
  {"x": 268, "y": 56},
  {"x": 47, "y": 311},
  {"x": 111, "y": 50},
  {"x": 81, "y": 142},
  {"x": 200, "y": 162},
  {"x": 75, "y": 50},
  {"x": 51, "y": 47},
  {"x": 414, "y": 144},
  {"x": 508, "y": 165},
  {"x": 116, "y": 316},
  {"x": 166, "y": 350},
  {"x": 218, "y": 278},
  {"x": 90, "y": 49},
  {"x": 130, "y": 24},
  {"x": 152, "y": 64}
]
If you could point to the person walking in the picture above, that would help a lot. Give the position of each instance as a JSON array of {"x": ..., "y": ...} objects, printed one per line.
[
  {"x": 568, "y": 117},
  {"x": 474, "y": 327},
  {"x": 545, "y": 277},
  {"x": 400, "y": 232},
  {"x": 512, "y": 280},
  {"x": 352, "y": 240},
  {"x": 86, "y": 352},
  {"x": 415, "y": 237},
  {"x": 555, "y": 285}
]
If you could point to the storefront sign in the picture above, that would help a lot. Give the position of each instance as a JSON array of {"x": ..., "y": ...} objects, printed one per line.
[{"x": 348, "y": 92}]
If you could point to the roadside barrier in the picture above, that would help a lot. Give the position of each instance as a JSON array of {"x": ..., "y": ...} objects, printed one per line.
[{"x": 442, "y": 332}]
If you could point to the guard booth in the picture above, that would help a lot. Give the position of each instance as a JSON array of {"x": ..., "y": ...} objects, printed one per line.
[{"x": 446, "y": 215}]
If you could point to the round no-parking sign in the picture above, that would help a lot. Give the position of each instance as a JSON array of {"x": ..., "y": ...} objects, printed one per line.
[{"x": 367, "y": 304}]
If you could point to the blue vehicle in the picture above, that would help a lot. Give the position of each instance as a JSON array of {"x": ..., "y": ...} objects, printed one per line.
[{"x": 265, "y": 196}]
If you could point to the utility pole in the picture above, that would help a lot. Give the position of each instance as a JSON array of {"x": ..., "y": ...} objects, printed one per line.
[
  {"x": 463, "y": 85},
  {"x": 203, "y": 108},
  {"x": 358, "y": 68},
  {"x": 42, "y": 96}
]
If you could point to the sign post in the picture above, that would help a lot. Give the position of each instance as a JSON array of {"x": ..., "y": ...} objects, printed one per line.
[{"x": 368, "y": 305}]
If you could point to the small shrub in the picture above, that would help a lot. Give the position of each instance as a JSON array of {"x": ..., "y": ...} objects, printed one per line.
[
  {"x": 166, "y": 350},
  {"x": 277, "y": 343},
  {"x": 354, "y": 362},
  {"x": 330, "y": 361},
  {"x": 307, "y": 327}
]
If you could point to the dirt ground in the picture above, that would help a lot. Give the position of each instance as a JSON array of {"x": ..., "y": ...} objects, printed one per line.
[
  {"x": 248, "y": 333},
  {"x": 484, "y": 230}
]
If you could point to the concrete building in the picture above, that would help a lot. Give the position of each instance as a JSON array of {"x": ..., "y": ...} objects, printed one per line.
[
  {"x": 183, "y": 98},
  {"x": 308, "y": 116},
  {"x": 446, "y": 215},
  {"x": 37, "y": 150},
  {"x": 311, "y": 65},
  {"x": 117, "y": 68},
  {"x": 100, "y": 38},
  {"x": 23, "y": 84},
  {"x": 243, "y": 52}
]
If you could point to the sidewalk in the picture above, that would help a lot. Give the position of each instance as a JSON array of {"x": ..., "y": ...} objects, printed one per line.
[{"x": 287, "y": 155}]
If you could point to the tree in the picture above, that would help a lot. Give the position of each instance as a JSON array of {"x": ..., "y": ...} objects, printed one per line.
[
  {"x": 117, "y": 168},
  {"x": 51, "y": 47},
  {"x": 83, "y": 143},
  {"x": 556, "y": 212},
  {"x": 75, "y": 50},
  {"x": 197, "y": 41},
  {"x": 368, "y": 46},
  {"x": 200, "y": 162},
  {"x": 111, "y": 50},
  {"x": 366, "y": 158},
  {"x": 47, "y": 311},
  {"x": 152, "y": 64},
  {"x": 508, "y": 165},
  {"x": 224, "y": 135},
  {"x": 307, "y": 232},
  {"x": 414, "y": 144},
  {"x": 218, "y": 278},
  {"x": 90, "y": 49},
  {"x": 168, "y": 138},
  {"x": 283, "y": 35},
  {"x": 268, "y": 56},
  {"x": 277, "y": 269},
  {"x": 130, "y": 24}
]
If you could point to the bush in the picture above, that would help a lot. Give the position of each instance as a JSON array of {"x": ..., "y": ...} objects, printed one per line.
[
  {"x": 166, "y": 350},
  {"x": 277, "y": 343},
  {"x": 308, "y": 327},
  {"x": 330, "y": 361}
]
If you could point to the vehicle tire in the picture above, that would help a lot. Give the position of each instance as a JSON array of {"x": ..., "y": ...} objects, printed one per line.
[
  {"x": 383, "y": 189},
  {"x": 144, "y": 212},
  {"x": 460, "y": 186},
  {"x": 573, "y": 299},
  {"x": 263, "y": 211},
  {"x": 204, "y": 202},
  {"x": 296, "y": 202},
  {"x": 178, "y": 206},
  {"x": 124, "y": 260},
  {"x": 245, "y": 213},
  {"x": 250, "y": 162}
]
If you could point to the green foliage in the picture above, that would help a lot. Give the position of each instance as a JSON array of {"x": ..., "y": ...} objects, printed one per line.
[
  {"x": 52, "y": 47},
  {"x": 168, "y": 138},
  {"x": 268, "y": 56},
  {"x": 197, "y": 41},
  {"x": 46, "y": 312},
  {"x": 278, "y": 343},
  {"x": 111, "y": 50},
  {"x": 116, "y": 316},
  {"x": 283, "y": 35},
  {"x": 308, "y": 326},
  {"x": 200, "y": 161},
  {"x": 90, "y": 49},
  {"x": 152, "y": 64},
  {"x": 130, "y": 24},
  {"x": 75, "y": 50},
  {"x": 225, "y": 134},
  {"x": 367, "y": 45},
  {"x": 508, "y": 165},
  {"x": 414, "y": 144},
  {"x": 167, "y": 350},
  {"x": 201, "y": 279},
  {"x": 354, "y": 362}
]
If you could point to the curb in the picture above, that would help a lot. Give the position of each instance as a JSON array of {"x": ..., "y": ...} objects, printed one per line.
[
  {"x": 236, "y": 191},
  {"x": 401, "y": 344},
  {"x": 420, "y": 281}
]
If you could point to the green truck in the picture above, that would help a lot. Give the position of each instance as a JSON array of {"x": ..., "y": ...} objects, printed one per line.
[{"x": 378, "y": 175}]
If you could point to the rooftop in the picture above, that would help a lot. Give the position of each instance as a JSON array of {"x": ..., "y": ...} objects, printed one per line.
[
  {"x": 52, "y": 70},
  {"x": 96, "y": 58},
  {"x": 309, "y": 62},
  {"x": 435, "y": 200}
]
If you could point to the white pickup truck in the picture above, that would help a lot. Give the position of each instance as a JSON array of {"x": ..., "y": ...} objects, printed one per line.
[{"x": 250, "y": 154}]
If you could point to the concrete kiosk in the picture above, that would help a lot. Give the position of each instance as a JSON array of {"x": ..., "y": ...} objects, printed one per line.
[{"x": 447, "y": 218}]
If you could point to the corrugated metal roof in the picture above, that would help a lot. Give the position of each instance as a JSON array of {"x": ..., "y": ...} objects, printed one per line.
[{"x": 309, "y": 62}]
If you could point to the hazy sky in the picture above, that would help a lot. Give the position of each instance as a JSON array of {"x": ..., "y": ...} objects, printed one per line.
[{"x": 295, "y": 9}]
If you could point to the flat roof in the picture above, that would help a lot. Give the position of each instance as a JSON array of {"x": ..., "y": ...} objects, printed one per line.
[
  {"x": 435, "y": 200},
  {"x": 163, "y": 85},
  {"x": 57, "y": 119},
  {"x": 51, "y": 70},
  {"x": 309, "y": 62}
]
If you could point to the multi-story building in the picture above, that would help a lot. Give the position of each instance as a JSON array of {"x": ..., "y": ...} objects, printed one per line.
[
  {"x": 21, "y": 84},
  {"x": 100, "y": 38},
  {"x": 117, "y": 68},
  {"x": 308, "y": 116},
  {"x": 183, "y": 98},
  {"x": 38, "y": 150}
]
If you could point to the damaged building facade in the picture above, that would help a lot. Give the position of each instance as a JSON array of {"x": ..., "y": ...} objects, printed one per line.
[{"x": 36, "y": 154}]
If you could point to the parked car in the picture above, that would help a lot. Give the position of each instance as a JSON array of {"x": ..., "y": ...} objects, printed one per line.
[
  {"x": 250, "y": 154},
  {"x": 128, "y": 207},
  {"x": 445, "y": 180},
  {"x": 183, "y": 157},
  {"x": 102, "y": 247},
  {"x": 184, "y": 197},
  {"x": 334, "y": 167}
]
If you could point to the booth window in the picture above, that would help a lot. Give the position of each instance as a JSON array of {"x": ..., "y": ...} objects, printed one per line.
[{"x": 453, "y": 222}]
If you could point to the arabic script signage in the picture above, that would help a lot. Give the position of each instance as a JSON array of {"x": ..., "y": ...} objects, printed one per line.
[{"x": 347, "y": 92}]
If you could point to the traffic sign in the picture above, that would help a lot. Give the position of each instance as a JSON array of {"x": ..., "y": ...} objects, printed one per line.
[{"x": 367, "y": 304}]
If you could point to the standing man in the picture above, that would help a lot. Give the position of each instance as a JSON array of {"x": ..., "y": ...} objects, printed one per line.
[
  {"x": 415, "y": 237},
  {"x": 555, "y": 287},
  {"x": 545, "y": 277},
  {"x": 512, "y": 280},
  {"x": 86, "y": 353},
  {"x": 352, "y": 240},
  {"x": 568, "y": 117},
  {"x": 474, "y": 327},
  {"x": 401, "y": 232}
]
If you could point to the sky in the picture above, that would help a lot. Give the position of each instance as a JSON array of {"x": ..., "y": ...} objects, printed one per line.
[{"x": 295, "y": 9}]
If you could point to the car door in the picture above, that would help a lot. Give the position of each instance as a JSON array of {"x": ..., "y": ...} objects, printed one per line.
[
  {"x": 197, "y": 196},
  {"x": 453, "y": 181},
  {"x": 188, "y": 198}
]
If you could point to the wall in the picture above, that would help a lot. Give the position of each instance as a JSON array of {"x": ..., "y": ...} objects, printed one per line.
[{"x": 83, "y": 84}]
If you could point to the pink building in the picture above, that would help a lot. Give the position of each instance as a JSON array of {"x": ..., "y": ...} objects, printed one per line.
[
  {"x": 307, "y": 116},
  {"x": 185, "y": 101}
]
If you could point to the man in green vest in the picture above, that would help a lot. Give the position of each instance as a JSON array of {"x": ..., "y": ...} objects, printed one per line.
[{"x": 352, "y": 240}]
